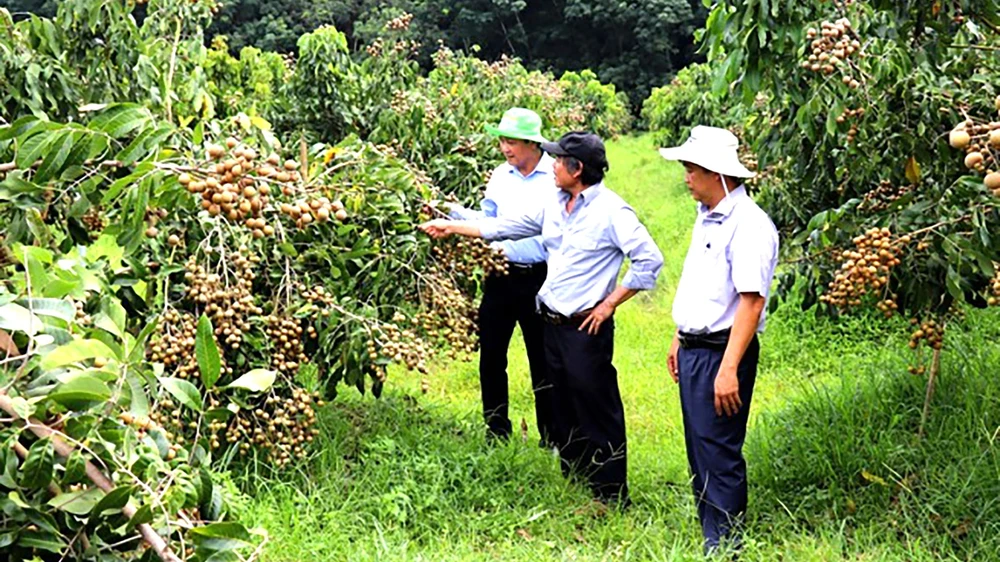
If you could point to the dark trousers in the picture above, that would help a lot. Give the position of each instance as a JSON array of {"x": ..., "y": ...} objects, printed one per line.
[
  {"x": 715, "y": 443},
  {"x": 509, "y": 300},
  {"x": 591, "y": 419}
]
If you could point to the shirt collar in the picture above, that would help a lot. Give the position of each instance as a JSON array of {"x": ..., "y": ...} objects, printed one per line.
[
  {"x": 726, "y": 206},
  {"x": 586, "y": 196},
  {"x": 543, "y": 167}
]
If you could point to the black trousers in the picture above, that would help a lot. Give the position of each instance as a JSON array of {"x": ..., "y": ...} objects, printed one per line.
[
  {"x": 509, "y": 300},
  {"x": 715, "y": 443},
  {"x": 591, "y": 419}
]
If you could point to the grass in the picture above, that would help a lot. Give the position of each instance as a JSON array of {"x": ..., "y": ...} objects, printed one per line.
[{"x": 836, "y": 470}]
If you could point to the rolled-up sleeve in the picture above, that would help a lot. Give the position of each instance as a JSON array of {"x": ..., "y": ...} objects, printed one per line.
[
  {"x": 645, "y": 259},
  {"x": 754, "y": 254},
  {"x": 511, "y": 228}
]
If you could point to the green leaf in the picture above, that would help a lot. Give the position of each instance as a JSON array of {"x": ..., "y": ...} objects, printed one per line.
[
  {"x": 16, "y": 318},
  {"x": 257, "y": 380},
  {"x": 33, "y": 148},
  {"x": 75, "y": 351},
  {"x": 142, "y": 516},
  {"x": 42, "y": 540},
  {"x": 136, "y": 149},
  {"x": 113, "y": 502},
  {"x": 209, "y": 361},
  {"x": 81, "y": 392},
  {"x": 39, "y": 465},
  {"x": 57, "y": 308},
  {"x": 77, "y": 503},
  {"x": 221, "y": 536},
  {"x": 139, "y": 404},
  {"x": 913, "y": 170},
  {"x": 22, "y": 407},
  {"x": 185, "y": 392},
  {"x": 56, "y": 154}
]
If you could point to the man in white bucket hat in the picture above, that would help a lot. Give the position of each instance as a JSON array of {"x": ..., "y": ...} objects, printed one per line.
[{"x": 719, "y": 308}]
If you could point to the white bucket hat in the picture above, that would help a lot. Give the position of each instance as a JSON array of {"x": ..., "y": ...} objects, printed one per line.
[{"x": 711, "y": 148}]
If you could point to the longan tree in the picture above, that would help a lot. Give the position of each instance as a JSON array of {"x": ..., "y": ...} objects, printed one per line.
[{"x": 851, "y": 104}]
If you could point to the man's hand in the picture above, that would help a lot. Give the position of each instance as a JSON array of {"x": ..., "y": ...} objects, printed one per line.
[
  {"x": 672, "y": 358},
  {"x": 596, "y": 317},
  {"x": 437, "y": 228},
  {"x": 727, "y": 392}
]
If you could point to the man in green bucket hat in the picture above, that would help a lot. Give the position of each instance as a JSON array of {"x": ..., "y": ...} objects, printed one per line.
[{"x": 516, "y": 187}]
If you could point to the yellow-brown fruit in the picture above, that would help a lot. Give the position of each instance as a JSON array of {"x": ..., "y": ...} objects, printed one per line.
[
  {"x": 995, "y": 138},
  {"x": 100, "y": 362},
  {"x": 959, "y": 138},
  {"x": 268, "y": 230},
  {"x": 323, "y": 214},
  {"x": 215, "y": 151},
  {"x": 174, "y": 240},
  {"x": 973, "y": 159},
  {"x": 151, "y": 232},
  {"x": 996, "y": 103},
  {"x": 341, "y": 215},
  {"x": 992, "y": 180},
  {"x": 184, "y": 179},
  {"x": 282, "y": 176},
  {"x": 231, "y": 142},
  {"x": 290, "y": 165}
]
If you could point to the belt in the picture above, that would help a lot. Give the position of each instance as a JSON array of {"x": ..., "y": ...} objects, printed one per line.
[
  {"x": 550, "y": 316},
  {"x": 714, "y": 340},
  {"x": 514, "y": 266}
]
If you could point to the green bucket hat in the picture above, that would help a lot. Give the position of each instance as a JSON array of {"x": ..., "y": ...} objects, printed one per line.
[{"x": 519, "y": 123}]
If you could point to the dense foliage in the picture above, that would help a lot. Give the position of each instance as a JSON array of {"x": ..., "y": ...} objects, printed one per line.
[
  {"x": 199, "y": 248},
  {"x": 853, "y": 138},
  {"x": 671, "y": 110},
  {"x": 634, "y": 45}
]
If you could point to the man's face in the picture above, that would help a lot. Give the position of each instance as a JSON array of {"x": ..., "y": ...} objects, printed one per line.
[
  {"x": 702, "y": 183},
  {"x": 517, "y": 151},
  {"x": 564, "y": 179}
]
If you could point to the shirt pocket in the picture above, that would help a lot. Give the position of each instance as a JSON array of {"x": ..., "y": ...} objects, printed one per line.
[
  {"x": 714, "y": 273},
  {"x": 589, "y": 241}
]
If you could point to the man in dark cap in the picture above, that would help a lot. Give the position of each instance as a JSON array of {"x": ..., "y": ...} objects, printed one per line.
[{"x": 587, "y": 231}]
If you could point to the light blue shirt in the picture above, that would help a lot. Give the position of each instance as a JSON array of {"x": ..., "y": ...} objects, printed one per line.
[
  {"x": 734, "y": 249},
  {"x": 586, "y": 248},
  {"x": 511, "y": 194}
]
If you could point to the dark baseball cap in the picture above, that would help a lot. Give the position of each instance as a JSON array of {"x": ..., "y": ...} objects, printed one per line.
[{"x": 585, "y": 147}]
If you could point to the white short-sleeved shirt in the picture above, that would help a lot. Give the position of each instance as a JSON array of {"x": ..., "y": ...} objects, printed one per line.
[{"x": 734, "y": 249}]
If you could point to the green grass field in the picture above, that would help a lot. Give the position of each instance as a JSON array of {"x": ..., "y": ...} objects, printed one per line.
[{"x": 836, "y": 469}]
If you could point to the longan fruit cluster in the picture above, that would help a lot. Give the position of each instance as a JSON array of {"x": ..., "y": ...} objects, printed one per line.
[
  {"x": 81, "y": 317},
  {"x": 156, "y": 421},
  {"x": 463, "y": 256},
  {"x": 94, "y": 221},
  {"x": 832, "y": 46},
  {"x": 452, "y": 317},
  {"x": 865, "y": 268},
  {"x": 980, "y": 141},
  {"x": 228, "y": 298},
  {"x": 928, "y": 331},
  {"x": 286, "y": 335},
  {"x": 174, "y": 345},
  {"x": 282, "y": 427},
  {"x": 994, "y": 298},
  {"x": 400, "y": 23},
  {"x": 881, "y": 197},
  {"x": 153, "y": 216},
  {"x": 237, "y": 187},
  {"x": 320, "y": 210}
]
